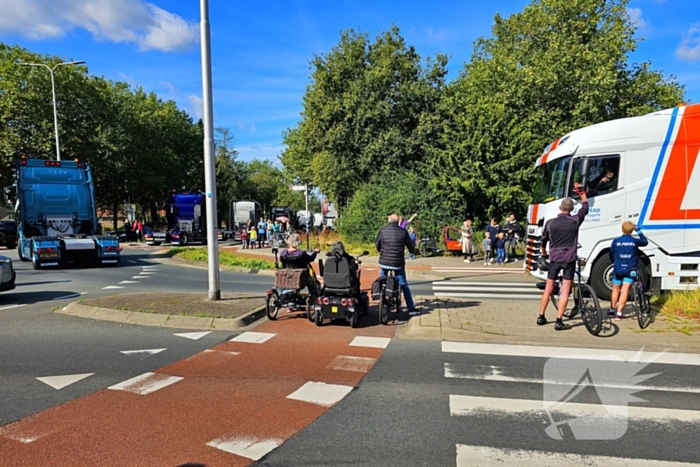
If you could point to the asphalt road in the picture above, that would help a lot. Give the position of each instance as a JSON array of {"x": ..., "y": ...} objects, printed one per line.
[
  {"x": 37, "y": 343},
  {"x": 402, "y": 414}
]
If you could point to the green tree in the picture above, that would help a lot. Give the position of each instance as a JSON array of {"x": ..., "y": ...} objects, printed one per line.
[
  {"x": 557, "y": 66},
  {"x": 230, "y": 173},
  {"x": 363, "y": 113}
]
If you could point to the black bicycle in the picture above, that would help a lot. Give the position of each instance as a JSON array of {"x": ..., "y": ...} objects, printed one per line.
[
  {"x": 428, "y": 247},
  {"x": 387, "y": 302},
  {"x": 641, "y": 299},
  {"x": 586, "y": 301}
]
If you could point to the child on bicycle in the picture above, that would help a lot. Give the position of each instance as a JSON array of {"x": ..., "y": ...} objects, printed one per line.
[
  {"x": 624, "y": 252},
  {"x": 486, "y": 246}
]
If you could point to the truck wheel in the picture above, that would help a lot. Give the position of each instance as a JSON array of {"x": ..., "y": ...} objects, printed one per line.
[
  {"x": 35, "y": 263},
  {"x": 21, "y": 256},
  {"x": 601, "y": 277},
  {"x": 183, "y": 239}
]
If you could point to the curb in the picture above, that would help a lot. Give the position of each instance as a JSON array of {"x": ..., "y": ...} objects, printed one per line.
[{"x": 162, "y": 320}]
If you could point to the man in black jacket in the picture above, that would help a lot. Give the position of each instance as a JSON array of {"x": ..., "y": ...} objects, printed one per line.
[
  {"x": 511, "y": 228},
  {"x": 390, "y": 244}
]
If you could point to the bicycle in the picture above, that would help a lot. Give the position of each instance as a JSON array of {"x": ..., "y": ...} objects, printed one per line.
[
  {"x": 586, "y": 301},
  {"x": 428, "y": 247},
  {"x": 641, "y": 299},
  {"x": 387, "y": 303}
]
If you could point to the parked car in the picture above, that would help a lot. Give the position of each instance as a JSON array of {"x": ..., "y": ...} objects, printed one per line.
[
  {"x": 8, "y": 234},
  {"x": 7, "y": 274}
]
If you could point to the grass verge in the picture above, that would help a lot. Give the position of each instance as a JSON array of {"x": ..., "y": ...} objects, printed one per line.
[
  {"x": 685, "y": 304},
  {"x": 225, "y": 258}
]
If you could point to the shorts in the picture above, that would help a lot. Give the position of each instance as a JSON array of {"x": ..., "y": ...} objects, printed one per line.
[
  {"x": 618, "y": 279},
  {"x": 567, "y": 269}
]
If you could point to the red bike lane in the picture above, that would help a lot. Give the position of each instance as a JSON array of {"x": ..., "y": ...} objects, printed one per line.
[{"x": 228, "y": 405}]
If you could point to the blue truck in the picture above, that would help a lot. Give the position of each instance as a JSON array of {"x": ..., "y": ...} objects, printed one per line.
[
  {"x": 54, "y": 203},
  {"x": 187, "y": 220}
]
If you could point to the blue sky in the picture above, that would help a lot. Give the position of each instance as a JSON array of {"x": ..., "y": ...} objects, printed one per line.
[{"x": 261, "y": 50}]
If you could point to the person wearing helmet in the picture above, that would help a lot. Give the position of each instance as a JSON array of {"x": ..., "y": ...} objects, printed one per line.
[{"x": 561, "y": 234}]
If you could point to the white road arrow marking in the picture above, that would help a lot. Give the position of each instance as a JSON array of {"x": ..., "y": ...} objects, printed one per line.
[
  {"x": 60, "y": 382},
  {"x": 146, "y": 352},
  {"x": 193, "y": 335}
]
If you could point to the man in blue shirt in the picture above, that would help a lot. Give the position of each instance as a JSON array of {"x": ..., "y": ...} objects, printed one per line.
[{"x": 624, "y": 252}]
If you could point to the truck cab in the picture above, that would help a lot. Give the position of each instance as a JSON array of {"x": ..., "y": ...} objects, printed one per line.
[
  {"x": 243, "y": 211},
  {"x": 644, "y": 169},
  {"x": 54, "y": 203}
]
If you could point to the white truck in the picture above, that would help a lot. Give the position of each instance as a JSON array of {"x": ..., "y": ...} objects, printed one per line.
[{"x": 644, "y": 169}]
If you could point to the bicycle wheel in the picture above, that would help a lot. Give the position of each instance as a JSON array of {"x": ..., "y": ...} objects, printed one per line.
[
  {"x": 642, "y": 305},
  {"x": 590, "y": 309},
  {"x": 423, "y": 249},
  {"x": 272, "y": 305},
  {"x": 310, "y": 307},
  {"x": 383, "y": 309}
]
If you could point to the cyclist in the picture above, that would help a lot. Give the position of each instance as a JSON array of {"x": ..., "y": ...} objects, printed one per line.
[
  {"x": 562, "y": 235},
  {"x": 390, "y": 244},
  {"x": 624, "y": 252},
  {"x": 299, "y": 259}
]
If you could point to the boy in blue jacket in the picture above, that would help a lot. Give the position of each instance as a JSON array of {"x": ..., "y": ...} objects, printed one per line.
[{"x": 624, "y": 252}]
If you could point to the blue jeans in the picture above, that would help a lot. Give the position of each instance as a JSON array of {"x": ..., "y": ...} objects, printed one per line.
[
  {"x": 501, "y": 255},
  {"x": 401, "y": 276}
]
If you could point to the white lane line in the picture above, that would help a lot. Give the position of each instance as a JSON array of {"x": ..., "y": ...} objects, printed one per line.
[
  {"x": 474, "y": 405},
  {"x": 73, "y": 295},
  {"x": 320, "y": 393},
  {"x": 350, "y": 363},
  {"x": 146, "y": 383},
  {"x": 141, "y": 277},
  {"x": 458, "y": 372},
  {"x": 251, "y": 337},
  {"x": 112, "y": 287},
  {"x": 147, "y": 268},
  {"x": 503, "y": 295},
  {"x": 60, "y": 382},
  {"x": 129, "y": 282},
  {"x": 145, "y": 352},
  {"x": 365, "y": 341},
  {"x": 193, "y": 335},
  {"x": 132, "y": 261},
  {"x": 148, "y": 272},
  {"x": 567, "y": 352},
  {"x": 244, "y": 447},
  {"x": 12, "y": 306},
  {"x": 490, "y": 284},
  {"x": 484, "y": 456}
]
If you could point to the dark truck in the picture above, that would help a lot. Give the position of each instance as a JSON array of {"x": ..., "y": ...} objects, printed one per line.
[
  {"x": 187, "y": 221},
  {"x": 57, "y": 217},
  {"x": 240, "y": 213}
]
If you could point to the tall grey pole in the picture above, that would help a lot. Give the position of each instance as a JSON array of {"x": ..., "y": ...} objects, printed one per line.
[
  {"x": 308, "y": 217},
  {"x": 55, "y": 114},
  {"x": 53, "y": 95},
  {"x": 209, "y": 163}
]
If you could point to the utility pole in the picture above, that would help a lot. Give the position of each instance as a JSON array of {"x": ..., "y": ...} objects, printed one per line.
[
  {"x": 209, "y": 163},
  {"x": 53, "y": 93}
]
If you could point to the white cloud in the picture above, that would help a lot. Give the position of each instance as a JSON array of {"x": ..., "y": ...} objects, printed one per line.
[
  {"x": 689, "y": 48},
  {"x": 134, "y": 21},
  {"x": 260, "y": 152},
  {"x": 244, "y": 127},
  {"x": 196, "y": 106},
  {"x": 635, "y": 15}
]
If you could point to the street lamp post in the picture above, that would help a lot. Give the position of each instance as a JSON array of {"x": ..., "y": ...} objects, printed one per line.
[{"x": 53, "y": 92}]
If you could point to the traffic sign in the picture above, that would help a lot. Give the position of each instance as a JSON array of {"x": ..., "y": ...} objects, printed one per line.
[{"x": 297, "y": 187}]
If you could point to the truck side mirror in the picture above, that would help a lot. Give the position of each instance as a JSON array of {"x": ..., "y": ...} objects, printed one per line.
[
  {"x": 584, "y": 171},
  {"x": 8, "y": 192}
]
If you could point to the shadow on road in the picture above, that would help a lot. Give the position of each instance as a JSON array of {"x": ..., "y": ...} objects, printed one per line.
[{"x": 30, "y": 298}]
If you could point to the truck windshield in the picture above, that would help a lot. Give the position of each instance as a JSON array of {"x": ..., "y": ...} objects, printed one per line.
[
  {"x": 53, "y": 175},
  {"x": 243, "y": 212},
  {"x": 550, "y": 181}
]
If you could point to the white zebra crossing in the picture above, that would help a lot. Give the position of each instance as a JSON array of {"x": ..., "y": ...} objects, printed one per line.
[
  {"x": 466, "y": 407},
  {"x": 491, "y": 290}
]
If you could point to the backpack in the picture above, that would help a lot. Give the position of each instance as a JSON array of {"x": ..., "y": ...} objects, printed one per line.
[{"x": 392, "y": 287}]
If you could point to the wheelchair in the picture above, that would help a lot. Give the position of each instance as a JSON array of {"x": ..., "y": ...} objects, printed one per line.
[
  {"x": 288, "y": 291},
  {"x": 341, "y": 297}
]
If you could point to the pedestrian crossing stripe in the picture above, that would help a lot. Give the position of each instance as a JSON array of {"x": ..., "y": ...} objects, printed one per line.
[{"x": 671, "y": 201}]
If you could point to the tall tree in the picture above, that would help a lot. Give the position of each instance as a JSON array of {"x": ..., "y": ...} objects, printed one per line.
[
  {"x": 363, "y": 113},
  {"x": 556, "y": 66}
]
